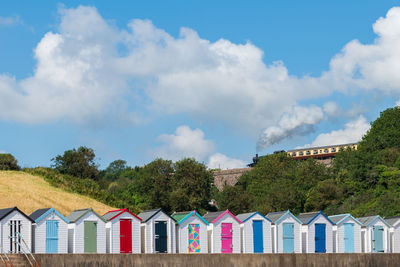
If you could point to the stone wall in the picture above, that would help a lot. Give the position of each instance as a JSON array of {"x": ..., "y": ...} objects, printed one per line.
[{"x": 228, "y": 177}]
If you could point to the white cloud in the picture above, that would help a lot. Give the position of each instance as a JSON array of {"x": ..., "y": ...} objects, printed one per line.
[
  {"x": 2, "y": 152},
  {"x": 221, "y": 161},
  {"x": 185, "y": 143},
  {"x": 398, "y": 103},
  {"x": 332, "y": 109},
  {"x": 9, "y": 21},
  {"x": 352, "y": 133},
  {"x": 298, "y": 121}
]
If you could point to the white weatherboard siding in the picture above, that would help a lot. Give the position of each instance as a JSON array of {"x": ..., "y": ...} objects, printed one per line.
[
  {"x": 149, "y": 228},
  {"x": 396, "y": 239},
  {"x": 114, "y": 225},
  {"x": 247, "y": 237},
  {"x": 183, "y": 235},
  {"x": 279, "y": 234},
  {"x": 369, "y": 236},
  {"x": 311, "y": 234},
  {"x": 79, "y": 233},
  {"x": 40, "y": 234},
  {"x": 26, "y": 230},
  {"x": 216, "y": 234},
  {"x": 340, "y": 236}
]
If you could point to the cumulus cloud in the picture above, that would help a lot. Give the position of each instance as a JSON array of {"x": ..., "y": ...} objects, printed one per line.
[
  {"x": 332, "y": 109},
  {"x": 299, "y": 120},
  {"x": 398, "y": 103},
  {"x": 9, "y": 21},
  {"x": 221, "y": 161},
  {"x": 352, "y": 133}
]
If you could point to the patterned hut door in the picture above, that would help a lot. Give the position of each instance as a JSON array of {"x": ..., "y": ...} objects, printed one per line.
[
  {"x": 90, "y": 236},
  {"x": 194, "y": 238},
  {"x": 125, "y": 235},
  {"x": 51, "y": 236},
  {"x": 226, "y": 238}
]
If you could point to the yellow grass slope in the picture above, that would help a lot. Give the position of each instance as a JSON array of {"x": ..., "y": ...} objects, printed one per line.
[{"x": 29, "y": 193}]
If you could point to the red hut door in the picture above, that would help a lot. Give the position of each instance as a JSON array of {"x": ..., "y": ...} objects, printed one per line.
[{"x": 125, "y": 235}]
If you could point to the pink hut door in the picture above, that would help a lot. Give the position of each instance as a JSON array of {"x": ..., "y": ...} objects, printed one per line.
[{"x": 226, "y": 237}]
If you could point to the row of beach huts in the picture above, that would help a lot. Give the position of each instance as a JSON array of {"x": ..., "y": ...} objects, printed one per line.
[{"x": 154, "y": 231}]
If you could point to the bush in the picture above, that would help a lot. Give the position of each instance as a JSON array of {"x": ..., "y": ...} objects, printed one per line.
[{"x": 8, "y": 162}]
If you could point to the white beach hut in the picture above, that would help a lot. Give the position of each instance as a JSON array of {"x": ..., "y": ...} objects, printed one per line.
[
  {"x": 158, "y": 232},
  {"x": 223, "y": 232},
  {"x": 255, "y": 233},
  {"x": 316, "y": 232},
  {"x": 286, "y": 232},
  {"x": 16, "y": 231},
  {"x": 394, "y": 233},
  {"x": 49, "y": 231},
  {"x": 122, "y": 232},
  {"x": 346, "y": 234},
  {"x": 191, "y": 232},
  {"x": 374, "y": 234},
  {"x": 86, "y": 232}
]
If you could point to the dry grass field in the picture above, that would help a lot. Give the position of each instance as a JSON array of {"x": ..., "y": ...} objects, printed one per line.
[{"x": 30, "y": 193}]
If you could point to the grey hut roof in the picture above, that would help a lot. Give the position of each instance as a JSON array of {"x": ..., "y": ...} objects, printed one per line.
[
  {"x": 211, "y": 216},
  {"x": 148, "y": 214},
  {"x": 337, "y": 218},
  {"x": 37, "y": 213},
  {"x": 111, "y": 214},
  {"x": 274, "y": 216},
  {"x": 77, "y": 214},
  {"x": 244, "y": 216},
  {"x": 392, "y": 220},
  {"x": 5, "y": 212},
  {"x": 366, "y": 220},
  {"x": 306, "y": 217}
]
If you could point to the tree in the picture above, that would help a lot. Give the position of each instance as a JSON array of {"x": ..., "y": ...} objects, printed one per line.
[
  {"x": 114, "y": 170},
  {"x": 77, "y": 162},
  {"x": 8, "y": 162},
  {"x": 191, "y": 184},
  {"x": 235, "y": 199}
]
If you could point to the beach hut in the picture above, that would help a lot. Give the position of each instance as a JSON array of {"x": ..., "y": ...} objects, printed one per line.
[
  {"x": 191, "y": 232},
  {"x": 86, "y": 232},
  {"x": 394, "y": 233},
  {"x": 122, "y": 232},
  {"x": 286, "y": 232},
  {"x": 374, "y": 234},
  {"x": 346, "y": 234},
  {"x": 49, "y": 231},
  {"x": 316, "y": 232},
  {"x": 223, "y": 232},
  {"x": 158, "y": 232},
  {"x": 256, "y": 233},
  {"x": 16, "y": 227}
]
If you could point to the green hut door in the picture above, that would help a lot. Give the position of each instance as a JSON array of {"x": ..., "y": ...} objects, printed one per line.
[{"x": 90, "y": 242}]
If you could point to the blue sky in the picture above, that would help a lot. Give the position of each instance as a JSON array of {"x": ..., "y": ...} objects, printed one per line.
[{"x": 214, "y": 80}]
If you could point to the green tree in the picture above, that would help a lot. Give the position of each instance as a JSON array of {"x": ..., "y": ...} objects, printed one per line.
[
  {"x": 8, "y": 162},
  {"x": 77, "y": 162},
  {"x": 235, "y": 199},
  {"x": 114, "y": 170}
]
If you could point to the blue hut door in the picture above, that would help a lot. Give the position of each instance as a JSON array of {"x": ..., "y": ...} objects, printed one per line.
[
  {"x": 320, "y": 233},
  {"x": 258, "y": 236},
  {"x": 51, "y": 236},
  {"x": 288, "y": 237},
  {"x": 378, "y": 238},
  {"x": 349, "y": 237}
]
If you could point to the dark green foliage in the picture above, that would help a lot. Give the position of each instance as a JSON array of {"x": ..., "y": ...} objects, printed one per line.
[
  {"x": 234, "y": 198},
  {"x": 77, "y": 162},
  {"x": 8, "y": 162}
]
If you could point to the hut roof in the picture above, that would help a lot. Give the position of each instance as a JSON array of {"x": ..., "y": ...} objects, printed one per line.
[
  {"x": 392, "y": 220},
  {"x": 213, "y": 217},
  {"x": 182, "y": 216},
  {"x": 5, "y": 212},
  {"x": 366, "y": 221},
  {"x": 77, "y": 214},
  {"x": 148, "y": 214},
  {"x": 110, "y": 215},
  {"x": 246, "y": 216},
  {"x": 308, "y": 217},
  {"x": 40, "y": 214},
  {"x": 337, "y": 219}
]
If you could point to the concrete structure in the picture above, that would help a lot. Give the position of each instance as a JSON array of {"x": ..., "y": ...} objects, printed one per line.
[
  {"x": 286, "y": 232},
  {"x": 49, "y": 231},
  {"x": 86, "y": 232},
  {"x": 374, "y": 234},
  {"x": 191, "y": 232},
  {"x": 346, "y": 234},
  {"x": 122, "y": 232},
  {"x": 157, "y": 232},
  {"x": 223, "y": 232},
  {"x": 15, "y": 226},
  {"x": 255, "y": 233},
  {"x": 316, "y": 232},
  {"x": 394, "y": 233}
]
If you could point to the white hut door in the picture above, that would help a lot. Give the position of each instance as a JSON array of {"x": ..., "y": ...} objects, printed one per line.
[{"x": 15, "y": 236}]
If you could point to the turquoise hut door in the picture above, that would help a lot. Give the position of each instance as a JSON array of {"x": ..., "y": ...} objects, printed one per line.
[
  {"x": 378, "y": 239},
  {"x": 349, "y": 237},
  {"x": 51, "y": 236},
  {"x": 288, "y": 237}
]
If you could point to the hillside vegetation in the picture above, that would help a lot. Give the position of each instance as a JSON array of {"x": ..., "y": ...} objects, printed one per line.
[{"x": 29, "y": 193}]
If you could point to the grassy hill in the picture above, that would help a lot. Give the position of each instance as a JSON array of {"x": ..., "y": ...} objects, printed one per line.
[{"x": 29, "y": 192}]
